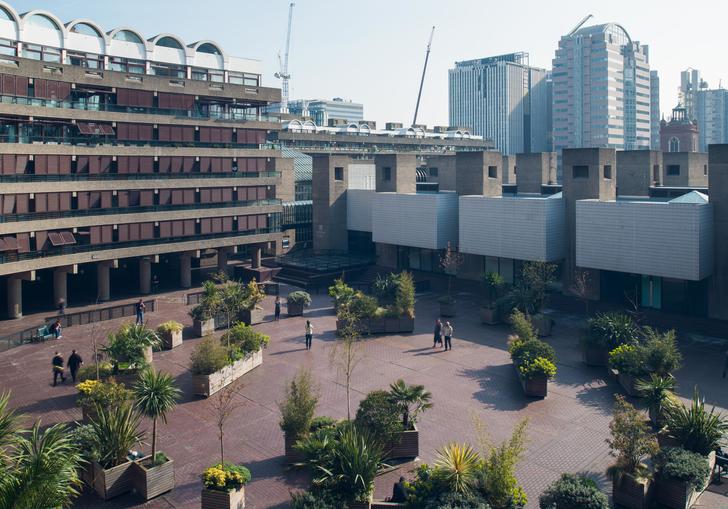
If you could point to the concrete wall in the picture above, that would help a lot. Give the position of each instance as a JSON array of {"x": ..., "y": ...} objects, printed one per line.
[
  {"x": 473, "y": 173},
  {"x": 673, "y": 240},
  {"x": 509, "y": 169},
  {"x": 718, "y": 307},
  {"x": 535, "y": 170},
  {"x": 637, "y": 170},
  {"x": 329, "y": 203},
  {"x": 513, "y": 227},
  {"x": 402, "y": 173},
  {"x": 693, "y": 169},
  {"x": 445, "y": 165},
  {"x": 359, "y": 209},
  {"x": 362, "y": 175}
]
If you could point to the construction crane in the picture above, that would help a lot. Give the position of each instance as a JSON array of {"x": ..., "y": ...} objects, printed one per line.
[
  {"x": 283, "y": 74},
  {"x": 422, "y": 80},
  {"x": 580, "y": 24}
]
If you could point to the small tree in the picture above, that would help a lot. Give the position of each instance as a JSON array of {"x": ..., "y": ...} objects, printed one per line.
[
  {"x": 580, "y": 287},
  {"x": 223, "y": 405},
  {"x": 411, "y": 400},
  {"x": 494, "y": 283},
  {"x": 631, "y": 441},
  {"x": 299, "y": 404},
  {"x": 231, "y": 299},
  {"x": 450, "y": 261},
  {"x": 155, "y": 395},
  {"x": 347, "y": 352},
  {"x": 536, "y": 277}
]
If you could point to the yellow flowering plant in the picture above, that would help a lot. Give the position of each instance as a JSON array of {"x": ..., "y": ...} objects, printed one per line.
[
  {"x": 225, "y": 477},
  {"x": 87, "y": 387}
]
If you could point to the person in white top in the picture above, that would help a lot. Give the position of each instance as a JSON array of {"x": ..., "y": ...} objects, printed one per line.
[
  {"x": 309, "y": 334},
  {"x": 447, "y": 332}
]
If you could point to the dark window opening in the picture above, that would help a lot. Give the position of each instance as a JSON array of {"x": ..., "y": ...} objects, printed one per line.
[
  {"x": 580, "y": 172},
  {"x": 656, "y": 173},
  {"x": 705, "y": 169},
  {"x": 492, "y": 172},
  {"x": 386, "y": 173},
  {"x": 673, "y": 170},
  {"x": 608, "y": 171},
  {"x": 433, "y": 172},
  {"x": 338, "y": 173}
]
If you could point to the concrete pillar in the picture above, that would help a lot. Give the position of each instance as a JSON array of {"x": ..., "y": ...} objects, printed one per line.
[
  {"x": 637, "y": 170},
  {"x": 255, "y": 257},
  {"x": 60, "y": 286},
  {"x": 329, "y": 184},
  {"x": 15, "y": 297},
  {"x": 222, "y": 259},
  {"x": 103, "y": 281},
  {"x": 535, "y": 170},
  {"x": 185, "y": 270},
  {"x": 145, "y": 275}
]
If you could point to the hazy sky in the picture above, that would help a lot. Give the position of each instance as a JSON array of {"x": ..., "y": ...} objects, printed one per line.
[{"x": 372, "y": 51}]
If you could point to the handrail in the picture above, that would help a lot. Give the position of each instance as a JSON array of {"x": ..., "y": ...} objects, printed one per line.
[
  {"x": 39, "y": 216},
  {"x": 22, "y": 177},
  {"x": 95, "y": 141}
]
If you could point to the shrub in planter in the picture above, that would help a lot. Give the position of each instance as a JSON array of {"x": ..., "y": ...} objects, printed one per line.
[
  {"x": 129, "y": 347},
  {"x": 694, "y": 428},
  {"x": 363, "y": 306},
  {"x": 224, "y": 486},
  {"x": 681, "y": 476},
  {"x": 297, "y": 301},
  {"x": 628, "y": 362},
  {"x": 404, "y": 297},
  {"x": 573, "y": 492},
  {"x": 88, "y": 372},
  {"x": 208, "y": 357},
  {"x": 297, "y": 411},
  {"x": 93, "y": 393},
  {"x": 341, "y": 293},
  {"x": 411, "y": 400},
  {"x": 660, "y": 352},
  {"x": 533, "y": 359},
  {"x": 379, "y": 414},
  {"x": 605, "y": 332},
  {"x": 242, "y": 339},
  {"x": 252, "y": 295},
  {"x": 658, "y": 392},
  {"x": 171, "y": 334}
]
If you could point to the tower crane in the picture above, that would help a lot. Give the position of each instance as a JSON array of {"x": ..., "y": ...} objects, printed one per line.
[
  {"x": 422, "y": 80},
  {"x": 283, "y": 74}
]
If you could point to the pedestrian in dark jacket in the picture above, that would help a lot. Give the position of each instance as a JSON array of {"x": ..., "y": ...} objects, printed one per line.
[
  {"x": 74, "y": 363},
  {"x": 278, "y": 309},
  {"x": 57, "y": 364},
  {"x": 140, "y": 308},
  {"x": 438, "y": 333}
]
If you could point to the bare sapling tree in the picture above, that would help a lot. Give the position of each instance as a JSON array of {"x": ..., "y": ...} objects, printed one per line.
[
  {"x": 450, "y": 262},
  {"x": 580, "y": 287},
  {"x": 223, "y": 405},
  {"x": 347, "y": 352}
]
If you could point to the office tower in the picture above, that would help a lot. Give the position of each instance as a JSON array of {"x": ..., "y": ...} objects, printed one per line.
[
  {"x": 711, "y": 111},
  {"x": 502, "y": 98},
  {"x": 690, "y": 83},
  {"x": 654, "y": 110},
  {"x": 324, "y": 112}
]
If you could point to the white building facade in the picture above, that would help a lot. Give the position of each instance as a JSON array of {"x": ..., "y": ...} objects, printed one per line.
[{"x": 711, "y": 111}]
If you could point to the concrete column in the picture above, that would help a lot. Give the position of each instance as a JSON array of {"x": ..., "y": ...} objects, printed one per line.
[
  {"x": 60, "y": 286},
  {"x": 185, "y": 270},
  {"x": 255, "y": 257},
  {"x": 329, "y": 183},
  {"x": 103, "y": 281},
  {"x": 222, "y": 260},
  {"x": 145, "y": 275},
  {"x": 15, "y": 297}
]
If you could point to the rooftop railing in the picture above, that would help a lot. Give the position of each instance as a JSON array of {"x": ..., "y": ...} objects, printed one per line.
[
  {"x": 22, "y": 177},
  {"x": 95, "y": 141}
]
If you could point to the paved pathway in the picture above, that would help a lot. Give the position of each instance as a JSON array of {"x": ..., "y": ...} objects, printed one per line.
[{"x": 567, "y": 430}]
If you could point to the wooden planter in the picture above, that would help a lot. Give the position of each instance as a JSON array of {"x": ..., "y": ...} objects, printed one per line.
[
  {"x": 151, "y": 482},
  {"x": 628, "y": 384},
  {"x": 203, "y": 328},
  {"x": 171, "y": 339},
  {"x": 406, "y": 445},
  {"x": 595, "y": 356},
  {"x": 214, "y": 499},
  {"x": 292, "y": 455},
  {"x": 251, "y": 316},
  {"x": 206, "y": 385},
  {"x": 294, "y": 308},
  {"x": 148, "y": 354},
  {"x": 112, "y": 482},
  {"x": 536, "y": 387},
  {"x": 676, "y": 494},
  {"x": 448, "y": 309},
  {"x": 382, "y": 325},
  {"x": 542, "y": 324},
  {"x": 631, "y": 493},
  {"x": 489, "y": 316}
]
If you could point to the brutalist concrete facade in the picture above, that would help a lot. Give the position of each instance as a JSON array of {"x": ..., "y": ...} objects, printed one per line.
[
  {"x": 718, "y": 304},
  {"x": 330, "y": 181},
  {"x": 637, "y": 170},
  {"x": 535, "y": 170},
  {"x": 685, "y": 169}
]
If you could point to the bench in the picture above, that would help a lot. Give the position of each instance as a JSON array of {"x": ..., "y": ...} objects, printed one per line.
[
  {"x": 381, "y": 504},
  {"x": 44, "y": 333}
]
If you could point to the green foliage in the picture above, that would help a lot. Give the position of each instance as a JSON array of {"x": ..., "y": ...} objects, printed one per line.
[
  {"x": 355, "y": 461},
  {"x": 9, "y": 423},
  {"x": 404, "y": 298},
  {"x": 494, "y": 284},
  {"x": 658, "y": 392},
  {"x": 498, "y": 475},
  {"x": 299, "y": 405},
  {"x": 379, "y": 414},
  {"x": 522, "y": 326},
  {"x": 631, "y": 440},
  {"x": 341, "y": 293},
  {"x": 456, "y": 466},
  {"x": 385, "y": 289},
  {"x": 660, "y": 352},
  {"x": 84, "y": 438},
  {"x": 532, "y": 368},
  {"x": 128, "y": 343},
  {"x": 208, "y": 357},
  {"x": 573, "y": 492},
  {"x": 252, "y": 295},
  {"x": 169, "y": 327},
  {"x": 362, "y": 305},
  {"x": 532, "y": 356},
  {"x": 105, "y": 394},
  {"x": 678, "y": 464},
  {"x": 695, "y": 428},
  {"x": 225, "y": 477},
  {"x": 242, "y": 340},
  {"x": 457, "y": 501},
  {"x": 315, "y": 499},
  {"x": 627, "y": 359},
  {"x": 610, "y": 330},
  {"x": 322, "y": 422},
  {"x": 210, "y": 302},
  {"x": 299, "y": 297},
  {"x": 116, "y": 430},
  {"x": 155, "y": 394},
  {"x": 411, "y": 401},
  {"x": 317, "y": 448},
  {"x": 88, "y": 371}
]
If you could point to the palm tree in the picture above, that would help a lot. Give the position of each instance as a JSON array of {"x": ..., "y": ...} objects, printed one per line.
[
  {"x": 129, "y": 342},
  {"x": 411, "y": 400},
  {"x": 115, "y": 430},
  {"x": 658, "y": 392},
  {"x": 155, "y": 394},
  {"x": 457, "y": 466},
  {"x": 8, "y": 423}
]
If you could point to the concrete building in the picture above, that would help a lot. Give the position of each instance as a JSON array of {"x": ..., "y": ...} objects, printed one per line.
[
  {"x": 679, "y": 134},
  {"x": 711, "y": 111},
  {"x": 690, "y": 84},
  {"x": 655, "y": 113},
  {"x": 504, "y": 99},
  {"x": 326, "y": 112},
  {"x": 126, "y": 157},
  {"x": 601, "y": 90}
]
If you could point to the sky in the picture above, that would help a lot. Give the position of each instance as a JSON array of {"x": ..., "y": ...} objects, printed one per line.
[{"x": 372, "y": 51}]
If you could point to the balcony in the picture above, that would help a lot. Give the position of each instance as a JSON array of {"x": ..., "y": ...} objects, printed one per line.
[
  {"x": 96, "y": 141},
  {"x": 84, "y": 177}
]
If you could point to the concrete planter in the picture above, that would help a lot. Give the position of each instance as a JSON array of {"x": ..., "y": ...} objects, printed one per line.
[
  {"x": 628, "y": 384},
  {"x": 631, "y": 493},
  {"x": 207, "y": 385},
  {"x": 676, "y": 494},
  {"x": 595, "y": 356},
  {"x": 151, "y": 482},
  {"x": 112, "y": 482},
  {"x": 203, "y": 328},
  {"x": 171, "y": 340},
  {"x": 292, "y": 455},
  {"x": 214, "y": 499},
  {"x": 148, "y": 354},
  {"x": 536, "y": 387},
  {"x": 294, "y": 308},
  {"x": 489, "y": 316},
  {"x": 382, "y": 325},
  {"x": 251, "y": 316},
  {"x": 405, "y": 445},
  {"x": 542, "y": 324},
  {"x": 448, "y": 309}
]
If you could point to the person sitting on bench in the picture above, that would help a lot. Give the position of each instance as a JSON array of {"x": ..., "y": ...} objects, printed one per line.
[
  {"x": 55, "y": 328},
  {"x": 399, "y": 491}
]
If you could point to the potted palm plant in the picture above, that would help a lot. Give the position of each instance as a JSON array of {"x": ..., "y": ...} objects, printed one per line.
[
  {"x": 297, "y": 412},
  {"x": 494, "y": 283},
  {"x": 251, "y": 313},
  {"x": 681, "y": 477},
  {"x": 116, "y": 431},
  {"x": 203, "y": 314},
  {"x": 297, "y": 301},
  {"x": 605, "y": 332},
  {"x": 130, "y": 349},
  {"x": 630, "y": 442},
  {"x": 659, "y": 393},
  {"x": 411, "y": 400},
  {"x": 155, "y": 394},
  {"x": 171, "y": 334}
]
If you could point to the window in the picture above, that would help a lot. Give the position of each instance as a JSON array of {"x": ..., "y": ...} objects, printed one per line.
[
  {"x": 244, "y": 78},
  {"x": 129, "y": 65},
  {"x": 127, "y": 36},
  {"x": 85, "y": 29},
  {"x": 202, "y": 74},
  {"x": 386, "y": 173},
  {"x": 8, "y": 47},
  {"x": 339, "y": 173},
  {"x": 656, "y": 173},
  {"x": 492, "y": 172},
  {"x": 88, "y": 60},
  {"x": 673, "y": 170},
  {"x": 169, "y": 42},
  {"x": 433, "y": 172},
  {"x": 608, "y": 171},
  {"x": 674, "y": 144},
  {"x": 171, "y": 70},
  {"x": 208, "y": 48},
  {"x": 286, "y": 242},
  {"x": 705, "y": 169},
  {"x": 44, "y": 53},
  {"x": 580, "y": 172}
]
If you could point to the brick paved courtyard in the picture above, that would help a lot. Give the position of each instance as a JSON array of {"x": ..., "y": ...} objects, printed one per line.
[{"x": 566, "y": 430}]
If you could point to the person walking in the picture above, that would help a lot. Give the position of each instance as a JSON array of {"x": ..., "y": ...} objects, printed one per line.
[
  {"x": 74, "y": 362},
  {"x": 55, "y": 328},
  {"x": 309, "y": 334},
  {"x": 57, "y": 364},
  {"x": 140, "y": 308},
  {"x": 61, "y": 307},
  {"x": 278, "y": 308},
  {"x": 438, "y": 331},
  {"x": 447, "y": 332}
]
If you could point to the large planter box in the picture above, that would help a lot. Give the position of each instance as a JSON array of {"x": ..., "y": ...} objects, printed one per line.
[
  {"x": 382, "y": 325},
  {"x": 292, "y": 455},
  {"x": 595, "y": 356},
  {"x": 542, "y": 324},
  {"x": 448, "y": 310},
  {"x": 112, "y": 482},
  {"x": 489, "y": 316},
  {"x": 148, "y": 355},
  {"x": 206, "y": 385},
  {"x": 630, "y": 493},
  {"x": 537, "y": 387},
  {"x": 203, "y": 328},
  {"x": 88, "y": 413},
  {"x": 406, "y": 445},
  {"x": 628, "y": 384},
  {"x": 676, "y": 494},
  {"x": 171, "y": 340},
  {"x": 213, "y": 499},
  {"x": 151, "y": 482},
  {"x": 251, "y": 316},
  {"x": 294, "y": 308}
]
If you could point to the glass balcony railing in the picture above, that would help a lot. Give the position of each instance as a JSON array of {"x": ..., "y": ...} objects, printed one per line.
[
  {"x": 95, "y": 141},
  {"x": 22, "y": 177},
  {"x": 39, "y": 216},
  {"x": 86, "y": 248},
  {"x": 115, "y": 108}
]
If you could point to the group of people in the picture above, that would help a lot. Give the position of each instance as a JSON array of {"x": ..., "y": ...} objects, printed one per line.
[
  {"x": 74, "y": 364},
  {"x": 443, "y": 330}
]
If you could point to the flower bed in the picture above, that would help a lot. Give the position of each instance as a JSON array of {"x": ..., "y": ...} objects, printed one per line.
[{"x": 170, "y": 334}]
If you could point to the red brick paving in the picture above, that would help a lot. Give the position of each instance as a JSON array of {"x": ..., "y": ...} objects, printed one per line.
[{"x": 567, "y": 430}]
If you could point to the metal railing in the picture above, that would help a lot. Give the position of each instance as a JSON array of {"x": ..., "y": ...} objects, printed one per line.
[
  {"x": 133, "y": 176},
  {"x": 39, "y": 216},
  {"x": 95, "y": 141}
]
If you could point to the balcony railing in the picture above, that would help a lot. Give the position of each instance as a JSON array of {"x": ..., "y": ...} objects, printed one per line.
[
  {"x": 39, "y": 216},
  {"x": 86, "y": 248},
  {"x": 22, "y": 177},
  {"x": 95, "y": 141},
  {"x": 115, "y": 108}
]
